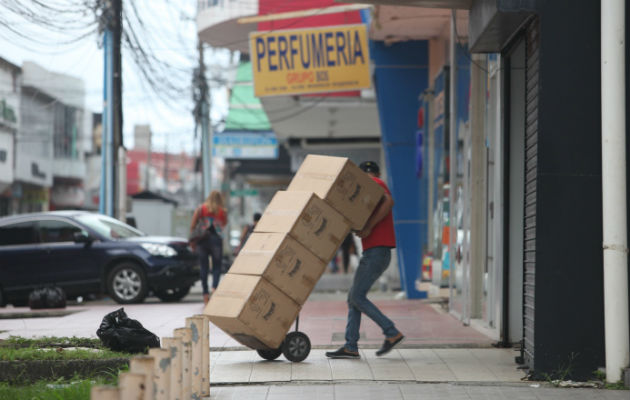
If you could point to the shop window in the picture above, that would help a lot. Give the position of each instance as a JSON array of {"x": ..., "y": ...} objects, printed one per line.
[{"x": 65, "y": 131}]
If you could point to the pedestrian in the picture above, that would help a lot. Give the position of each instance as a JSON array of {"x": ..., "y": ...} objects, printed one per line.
[
  {"x": 347, "y": 249},
  {"x": 378, "y": 239},
  {"x": 247, "y": 230},
  {"x": 212, "y": 217}
]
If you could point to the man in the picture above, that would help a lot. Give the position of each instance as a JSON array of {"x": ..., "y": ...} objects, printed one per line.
[
  {"x": 247, "y": 230},
  {"x": 378, "y": 238}
]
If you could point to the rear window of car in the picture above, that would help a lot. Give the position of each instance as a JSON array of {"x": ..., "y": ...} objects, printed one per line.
[
  {"x": 109, "y": 227},
  {"x": 18, "y": 233}
]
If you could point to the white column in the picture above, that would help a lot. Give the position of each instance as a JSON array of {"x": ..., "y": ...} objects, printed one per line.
[
  {"x": 614, "y": 188},
  {"x": 477, "y": 184}
]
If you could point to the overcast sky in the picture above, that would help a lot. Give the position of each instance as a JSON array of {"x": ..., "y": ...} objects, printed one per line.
[{"x": 172, "y": 37}]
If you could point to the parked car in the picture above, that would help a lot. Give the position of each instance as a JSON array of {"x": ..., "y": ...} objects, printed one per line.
[{"x": 88, "y": 253}]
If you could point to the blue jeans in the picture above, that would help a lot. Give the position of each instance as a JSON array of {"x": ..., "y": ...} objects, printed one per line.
[
  {"x": 213, "y": 249},
  {"x": 372, "y": 265}
]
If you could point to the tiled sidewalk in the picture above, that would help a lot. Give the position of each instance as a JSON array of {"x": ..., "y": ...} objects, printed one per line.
[
  {"x": 323, "y": 319},
  {"x": 404, "y": 365},
  {"x": 409, "y": 391}
]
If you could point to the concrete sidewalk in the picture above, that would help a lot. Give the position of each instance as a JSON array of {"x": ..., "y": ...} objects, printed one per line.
[
  {"x": 440, "y": 358},
  {"x": 322, "y": 318},
  {"x": 409, "y": 391},
  {"x": 400, "y": 365}
]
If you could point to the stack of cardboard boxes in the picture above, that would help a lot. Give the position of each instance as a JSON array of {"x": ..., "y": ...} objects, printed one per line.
[{"x": 295, "y": 239}]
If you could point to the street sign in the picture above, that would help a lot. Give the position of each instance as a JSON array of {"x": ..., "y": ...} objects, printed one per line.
[
  {"x": 244, "y": 192},
  {"x": 242, "y": 145},
  {"x": 314, "y": 60}
]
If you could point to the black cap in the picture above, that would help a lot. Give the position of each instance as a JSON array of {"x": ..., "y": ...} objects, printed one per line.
[{"x": 370, "y": 166}]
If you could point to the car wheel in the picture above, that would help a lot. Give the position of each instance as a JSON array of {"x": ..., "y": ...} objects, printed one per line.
[
  {"x": 126, "y": 283},
  {"x": 172, "y": 294}
]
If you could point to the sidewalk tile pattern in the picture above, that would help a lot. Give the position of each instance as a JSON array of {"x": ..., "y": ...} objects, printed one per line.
[
  {"x": 404, "y": 365},
  {"x": 410, "y": 391}
]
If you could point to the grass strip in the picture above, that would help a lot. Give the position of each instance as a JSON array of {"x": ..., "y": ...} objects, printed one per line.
[
  {"x": 66, "y": 389},
  {"x": 50, "y": 341},
  {"x": 32, "y": 353}
]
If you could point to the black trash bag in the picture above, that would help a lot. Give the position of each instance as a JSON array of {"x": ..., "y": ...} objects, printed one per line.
[
  {"x": 47, "y": 297},
  {"x": 121, "y": 333}
]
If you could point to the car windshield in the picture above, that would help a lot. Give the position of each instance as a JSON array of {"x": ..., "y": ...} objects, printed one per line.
[{"x": 109, "y": 227}]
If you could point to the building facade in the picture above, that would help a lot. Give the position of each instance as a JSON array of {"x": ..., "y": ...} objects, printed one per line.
[{"x": 10, "y": 88}]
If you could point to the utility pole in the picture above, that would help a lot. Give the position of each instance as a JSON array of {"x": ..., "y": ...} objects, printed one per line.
[
  {"x": 119, "y": 174},
  {"x": 111, "y": 26},
  {"x": 202, "y": 115}
]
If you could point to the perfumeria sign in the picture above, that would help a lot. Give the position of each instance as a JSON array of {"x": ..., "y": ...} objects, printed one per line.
[{"x": 327, "y": 59}]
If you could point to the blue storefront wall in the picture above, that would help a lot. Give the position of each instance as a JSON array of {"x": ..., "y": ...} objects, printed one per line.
[{"x": 400, "y": 76}]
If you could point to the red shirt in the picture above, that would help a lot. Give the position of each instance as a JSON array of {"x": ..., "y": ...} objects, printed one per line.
[
  {"x": 382, "y": 234},
  {"x": 220, "y": 217}
]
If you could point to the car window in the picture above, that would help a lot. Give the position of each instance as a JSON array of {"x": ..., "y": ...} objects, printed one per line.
[
  {"x": 109, "y": 227},
  {"x": 20, "y": 233},
  {"x": 52, "y": 231}
]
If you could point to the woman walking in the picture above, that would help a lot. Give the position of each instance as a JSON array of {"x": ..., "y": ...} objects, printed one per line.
[{"x": 212, "y": 216}]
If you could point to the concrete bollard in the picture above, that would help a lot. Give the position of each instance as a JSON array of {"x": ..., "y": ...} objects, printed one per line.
[
  {"x": 174, "y": 346},
  {"x": 132, "y": 386},
  {"x": 161, "y": 373},
  {"x": 205, "y": 355},
  {"x": 104, "y": 393},
  {"x": 144, "y": 365},
  {"x": 196, "y": 327},
  {"x": 185, "y": 334}
]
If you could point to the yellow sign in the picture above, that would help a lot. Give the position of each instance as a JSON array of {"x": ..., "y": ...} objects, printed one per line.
[{"x": 328, "y": 59}]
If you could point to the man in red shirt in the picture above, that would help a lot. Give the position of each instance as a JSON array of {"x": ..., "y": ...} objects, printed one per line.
[{"x": 378, "y": 239}]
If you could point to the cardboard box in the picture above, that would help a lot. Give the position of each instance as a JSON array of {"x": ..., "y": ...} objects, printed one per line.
[
  {"x": 252, "y": 311},
  {"x": 306, "y": 218},
  {"x": 340, "y": 183},
  {"x": 282, "y": 261}
]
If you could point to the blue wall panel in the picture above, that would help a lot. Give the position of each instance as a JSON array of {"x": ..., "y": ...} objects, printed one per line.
[{"x": 400, "y": 76}]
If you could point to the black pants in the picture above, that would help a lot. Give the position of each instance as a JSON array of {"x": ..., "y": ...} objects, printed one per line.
[{"x": 213, "y": 248}]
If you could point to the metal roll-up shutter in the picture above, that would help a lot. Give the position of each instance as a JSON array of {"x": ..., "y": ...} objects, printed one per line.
[{"x": 531, "y": 167}]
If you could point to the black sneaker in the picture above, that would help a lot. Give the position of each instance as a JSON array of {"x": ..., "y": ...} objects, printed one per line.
[
  {"x": 389, "y": 344},
  {"x": 342, "y": 353}
]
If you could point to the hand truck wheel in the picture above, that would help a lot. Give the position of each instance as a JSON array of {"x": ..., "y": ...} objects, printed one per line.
[
  {"x": 269, "y": 354},
  {"x": 296, "y": 346}
]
